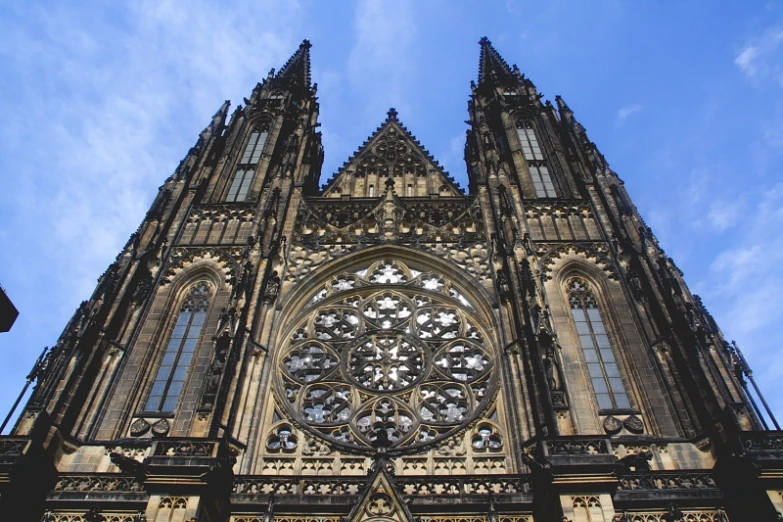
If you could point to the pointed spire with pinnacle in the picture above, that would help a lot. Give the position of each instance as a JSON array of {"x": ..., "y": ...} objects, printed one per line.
[
  {"x": 296, "y": 71},
  {"x": 218, "y": 120},
  {"x": 493, "y": 69}
]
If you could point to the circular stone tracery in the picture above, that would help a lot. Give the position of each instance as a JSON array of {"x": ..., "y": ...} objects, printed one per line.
[
  {"x": 385, "y": 361},
  {"x": 395, "y": 358}
]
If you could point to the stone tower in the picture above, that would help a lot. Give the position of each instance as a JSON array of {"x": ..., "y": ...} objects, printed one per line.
[{"x": 389, "y": 346}]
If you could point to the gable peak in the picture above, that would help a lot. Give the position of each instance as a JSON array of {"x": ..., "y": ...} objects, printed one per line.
[
  {"x": 380, "y": 499},
  {"x": 390, "y": 152}
]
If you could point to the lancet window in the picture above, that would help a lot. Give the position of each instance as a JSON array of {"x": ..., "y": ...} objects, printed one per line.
[
  {"x": 387, "y": 355},
  {"x": 594, "y": 340},
  {"x": 181, "y": 346},
  {"x": 243, "y": 177},
  {"x": 542, "y": 180}
]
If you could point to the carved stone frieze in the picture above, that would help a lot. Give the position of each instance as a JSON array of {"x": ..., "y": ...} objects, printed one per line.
[
  {"x": 577, "y": 446},
  {"x": 98, "y": 483},
  {"x": 667, "y": 481},
  {"x": 173, "y": 448},
  {"x": 500, "y": 518},
  {"x": 51, "y": 516},
  {"x": 303, "y": 260},
  {"x": 12, "y": 448},
  {"x": 390, "y": 219},
  {"x": 708, "y": 515},
  {"x": 433, "y": 485}
]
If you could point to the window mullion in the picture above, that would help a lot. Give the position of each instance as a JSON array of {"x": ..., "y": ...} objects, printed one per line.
[
  {"x": 600, "y": 355},
  {"x": 175, "y": 364}
]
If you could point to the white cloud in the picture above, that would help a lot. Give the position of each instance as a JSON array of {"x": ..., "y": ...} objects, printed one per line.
[
  {"x": 625, "y": 112},
  {"x": 746, "y": 58},
  {"x": 723, "y": 215},
  {"x": 112, "y": 99},
  {"x": 746, "y": 283},
  {"x": 760, "y": 59}
]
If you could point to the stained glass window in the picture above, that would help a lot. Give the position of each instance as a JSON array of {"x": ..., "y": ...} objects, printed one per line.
[
  {"x": 387, "y": 351},
  {"x": 243, "y": 177},
  {"x": 173, "y": 369},
  {"x": 594, "y": 340},
  {"x": 542, "y": 180}
]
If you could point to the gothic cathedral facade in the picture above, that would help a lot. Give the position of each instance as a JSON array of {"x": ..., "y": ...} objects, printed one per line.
[{"x": 389, "y": 346}]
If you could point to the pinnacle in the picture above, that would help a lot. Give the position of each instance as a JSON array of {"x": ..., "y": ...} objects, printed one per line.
[
  {"x": 492, "y": 67},
  {"x": 296, "y": 70},
  {"x": 391, "y": 115}
]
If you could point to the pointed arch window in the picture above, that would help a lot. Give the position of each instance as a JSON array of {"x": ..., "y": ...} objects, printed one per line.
[
  {"x": 243, "y": 177},
  {"x": 170, "y": 379},
  {"x": 254, "y": 147},
  {"x": 542, "y": 180},
  {"x": 599, "y": 355}
]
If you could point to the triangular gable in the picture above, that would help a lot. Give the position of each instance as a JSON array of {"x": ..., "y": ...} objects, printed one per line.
[
  {"x": 392, "y": 152},
  {"x": 380, "y": 499}
]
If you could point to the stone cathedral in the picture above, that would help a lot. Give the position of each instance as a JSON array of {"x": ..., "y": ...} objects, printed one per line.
[{"x": 389, "y": 347}]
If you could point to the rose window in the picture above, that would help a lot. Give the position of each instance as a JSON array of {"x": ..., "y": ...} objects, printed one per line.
[
  {"x": 386, "y": 355},
  {"x": 385, "y": 362}
]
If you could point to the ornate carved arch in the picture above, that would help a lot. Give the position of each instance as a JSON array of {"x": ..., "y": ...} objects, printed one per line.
[
  {"x": 348, "y": 259},
  {"x": 221, "y": 262},
  {"x": 593, "y": 254},
  {"x": 387, "y": 348}
]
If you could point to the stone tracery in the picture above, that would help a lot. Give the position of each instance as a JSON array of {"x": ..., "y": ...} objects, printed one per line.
[{"x": 386, "y": 349}]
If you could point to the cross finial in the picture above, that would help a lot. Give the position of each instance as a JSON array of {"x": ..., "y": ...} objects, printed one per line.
[{"x": 392, "y": 114}]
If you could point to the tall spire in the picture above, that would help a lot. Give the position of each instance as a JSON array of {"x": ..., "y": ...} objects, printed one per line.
[
  {"x": 492, "y": 67},
  {"x": 296, "y": 71}
]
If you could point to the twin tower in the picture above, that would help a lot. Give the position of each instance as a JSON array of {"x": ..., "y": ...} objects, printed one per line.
[{"x": 390, "y": 347}]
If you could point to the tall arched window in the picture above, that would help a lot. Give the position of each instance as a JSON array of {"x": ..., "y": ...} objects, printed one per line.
[
  {"x": 542, "y": 180},
  {"x": 243, "y": 177},
  {"x": 173, "y": 369},
  {"x": 601, "y": 363}
]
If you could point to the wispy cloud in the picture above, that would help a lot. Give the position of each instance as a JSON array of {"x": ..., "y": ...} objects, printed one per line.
[
  {"x": 625, "y": 112},
  {"x": 745, "y": 279},
  {"x": 760, "y": 59},
  {"x": 723, "y": 215},
  {"x": 88, "y": 140}
]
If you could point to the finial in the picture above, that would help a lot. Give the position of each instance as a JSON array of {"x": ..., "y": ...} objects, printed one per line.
[
  {"x": 391, "y": 115},
  {"x": 305, "y": 44},
  {"x": 484, "y": 41}
]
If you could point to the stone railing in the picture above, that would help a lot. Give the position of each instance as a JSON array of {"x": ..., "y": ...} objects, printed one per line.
[
  {"x": 257, "y": 486},
  {"x": 576, "y": 446},
  {"x": 185, "y": 448},
  {"x": 97, "y": 483},
  {"x": 763, "y": 444},
  {"x": 463, "y": 486},
  {"x": 667, "y": 480},
  {"x": 12, "y": 447}
]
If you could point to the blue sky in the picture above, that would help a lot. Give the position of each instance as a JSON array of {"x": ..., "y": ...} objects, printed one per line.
[{"x": 100, "y": 102}]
